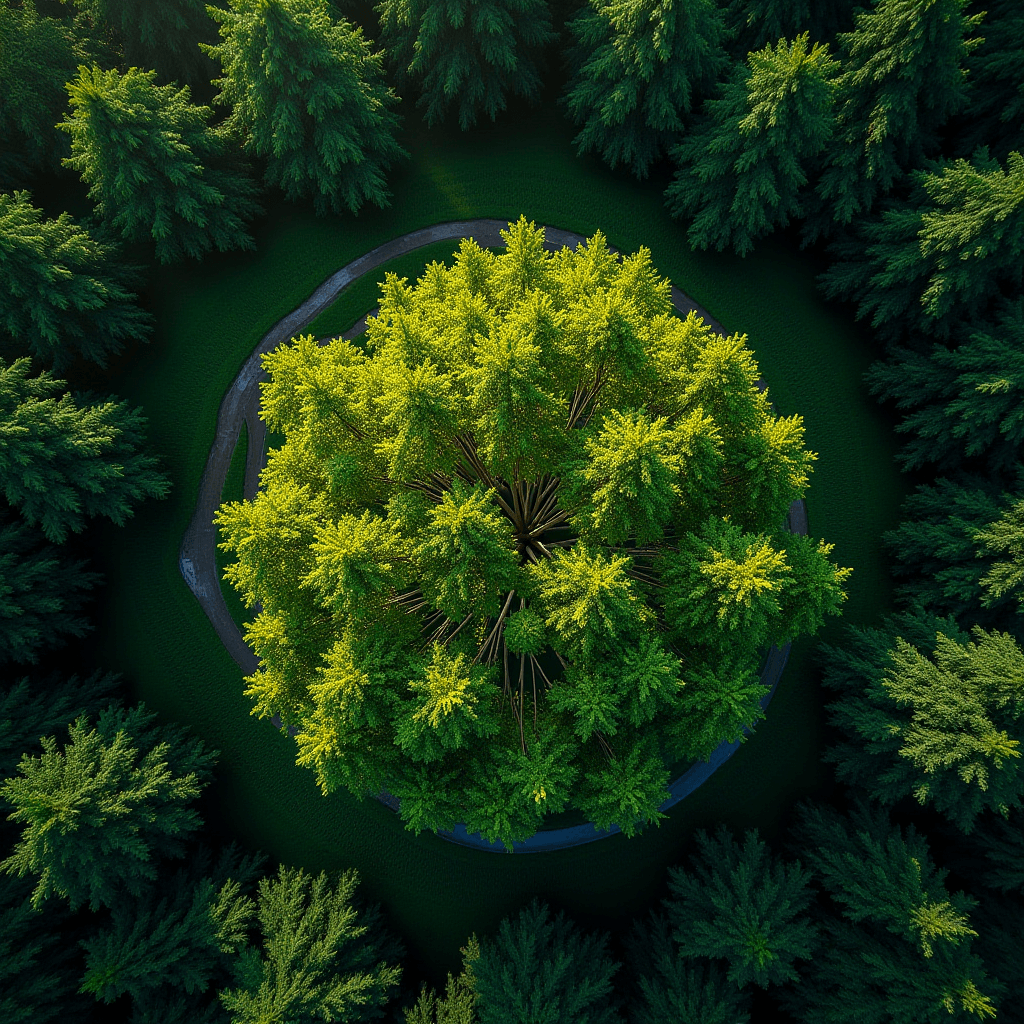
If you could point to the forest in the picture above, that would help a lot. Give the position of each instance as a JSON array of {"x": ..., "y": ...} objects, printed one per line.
[{"x": 175, "y": 177}]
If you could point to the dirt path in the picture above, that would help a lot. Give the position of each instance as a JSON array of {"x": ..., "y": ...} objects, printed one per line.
[{"x": 197, "y": 556}]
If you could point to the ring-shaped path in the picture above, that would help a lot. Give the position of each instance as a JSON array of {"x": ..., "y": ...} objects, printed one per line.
[{"x": 241, "y": 403}]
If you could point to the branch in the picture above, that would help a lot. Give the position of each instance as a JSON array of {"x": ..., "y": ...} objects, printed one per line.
[{"x": 494, "y": 632}]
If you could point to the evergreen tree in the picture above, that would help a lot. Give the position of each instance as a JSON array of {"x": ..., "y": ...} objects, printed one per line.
[
  {"x": 459, "y": 1003},
  {"x": 308, "y": 95},
  {"x": 540, "y": 967},
  {"x": 315, "y": 963},
  {"x": 899, "y": 950},
  {"x": 63, "y": 292},
  {"x": 755, "y": 24},
  {"x": 744, "y": 165},
  {"x": 1001, "y": 946},
  {"x": 155, "y": 167},
  {"x": 39, "y": 593},
  {"x": 902, "y": 78},
  {"x": 101, "y": 811},
  {"x": 1006, "y": 576},
  {"x": 933, "y": 264},
  {"x": 61, "y": 462},
  {"x": 468, "y": 54},
  {"x": 1002, "y": 844},
  {"x": 965, "y": 400},
  {"x": 637, "y": 68}
]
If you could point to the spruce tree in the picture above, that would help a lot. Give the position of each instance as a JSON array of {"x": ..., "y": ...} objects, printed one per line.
[
  {"x": 40, "y": 594},
  {"x": 542, "y": 967},
  {"x": 64, "y": 293},
  {"x": 322, "y": 956},
  {"x": 155, "y": 167},
  {"x": 743, "y": 167},
  {"x": 466, "y": 55},
  {"x": 308, "y": 96},
  {"x": 460, "y": 998},
  {"x": 62, "y": 462},
  {"x": 637, "y": 69},
  {"x": 100, "y": 812}
]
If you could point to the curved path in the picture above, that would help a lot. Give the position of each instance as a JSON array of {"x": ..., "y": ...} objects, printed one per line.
[{"x": 197, "y": 556}]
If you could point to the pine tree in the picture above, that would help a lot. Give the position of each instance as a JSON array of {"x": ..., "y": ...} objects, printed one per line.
[
  {"x": 40, "y": 594},
  {"x": 743, "y": 167},
  {"x": 899, "y": 950},
  {"x": 308, "y": 95},
  {"x": 155, "y": 167},
  {"x": 540, "y": 967},
  {"x": 460, "y": 998},
  {"x": 63, "y": 292},
  {"x": 99, "y": 812},
  {"x": 315, "y": 963},
  {"x": 637, "y": 69},
  {"x": 61, "y": 462},
  {"x": 902, "y": 78},
  {"x": 468, "y": 54}
]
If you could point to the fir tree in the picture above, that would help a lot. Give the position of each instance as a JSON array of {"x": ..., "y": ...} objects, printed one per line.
[
  {"x": 540, "y": 967},
  {"x": 155, "y": 167},
  {"x": 460, "y": 998},
  {"x": 40, "y": 594},
  {"x": 468, "y": 54},
  {"x": 308, "y": 95},
  {"x": 61, "y": 462},
  {"x": 637, "y": 69},
  {"x": 316, "y": 961},
  {"x": 63, "y": 292},
  {"x": 101, "y": 811},
  {"x": 743, "y": 167}
]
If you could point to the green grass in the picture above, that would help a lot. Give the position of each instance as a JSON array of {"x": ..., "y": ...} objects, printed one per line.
[{"x": 210, "y": 317}]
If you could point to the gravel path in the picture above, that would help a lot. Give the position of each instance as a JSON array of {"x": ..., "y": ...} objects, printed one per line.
[{"x": 241, "y": 403}]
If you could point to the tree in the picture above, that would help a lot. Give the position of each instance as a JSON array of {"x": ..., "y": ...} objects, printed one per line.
[
  {"x": 67, "y": 295},
  {"x": 61, "y": 462},
  {"x": 899, "y": 949},
  {"x": 1006, "y": 576},
  {"x": 755, "y": 24},
  {"x": 744, "y": 906},
  {"x": 902, "y": 78},
  {"x": 460, "y": 999},
  {"x": 943, "y": 729},
  {"x": 40, "y": 594},
  {"x": 308, "y": 95},
  {"x": 542, "y": 968},
  {"x": 637, "y": 68},
  {"x": 99, "y": 812},
  {"x": 315, "y": 963},
  {"x": 443, "y": 536},
  {"x": 470, "y": 54},
  {"x": 934, "y": 264},
  {"x": 965, "y": 401},
  {"x": 744, "y": 165},
  {"x": 155, "y": 167}
]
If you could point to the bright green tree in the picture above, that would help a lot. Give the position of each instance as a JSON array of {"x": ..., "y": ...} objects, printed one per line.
[
  {"x": 638, "y": 68},
  {"x": 466, "y": 574},
  {"x": 466, "y": 55},
  {"x": 155, "y": 166},
  {"x": 540, "y": 967},
  {"x": 460, "y": 998},
  {"x": 321, "y": 956},
  {"x": 101, "y": 811},
  {"x": 40, "y": 593},
  {"x": 64, "y": 295},
  {"x": 1004, "y": 536},
  {"x": 308, "y": 96},
  {"x": 61, "y": 462},
  {"x": 743, "y": 167}
]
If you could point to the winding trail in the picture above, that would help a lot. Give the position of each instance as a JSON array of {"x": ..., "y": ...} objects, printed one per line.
[{"x": 241, "y": 403}]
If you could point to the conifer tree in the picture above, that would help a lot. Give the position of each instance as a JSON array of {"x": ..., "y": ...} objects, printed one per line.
[
  {"x": 637, "y": 69},
  {"x": 542, "y": 967},
  {"x": 460, "y": 998},
  {"x": 1000, "y": 944},
  {"x": 308, "y": 96},
  {"x": 466, "y": 55},
  {"x": 40, "y": 594},
  {"x": 100, "y": 812},
  {"x": 899, "y": 949},
  {"x": 63, "y": 292},
  {"x": 155, "y": 167},
  {"x": 902, "y": 77},
  {"x": 1004, "y": 536},
  {"x": 755, "y": 24},
  {"x": 743, "y": 166},
  {"x": 315, "y": 962},
  {"x": 1002, "y": 843},
  {"x": 61, "y": 462}
]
